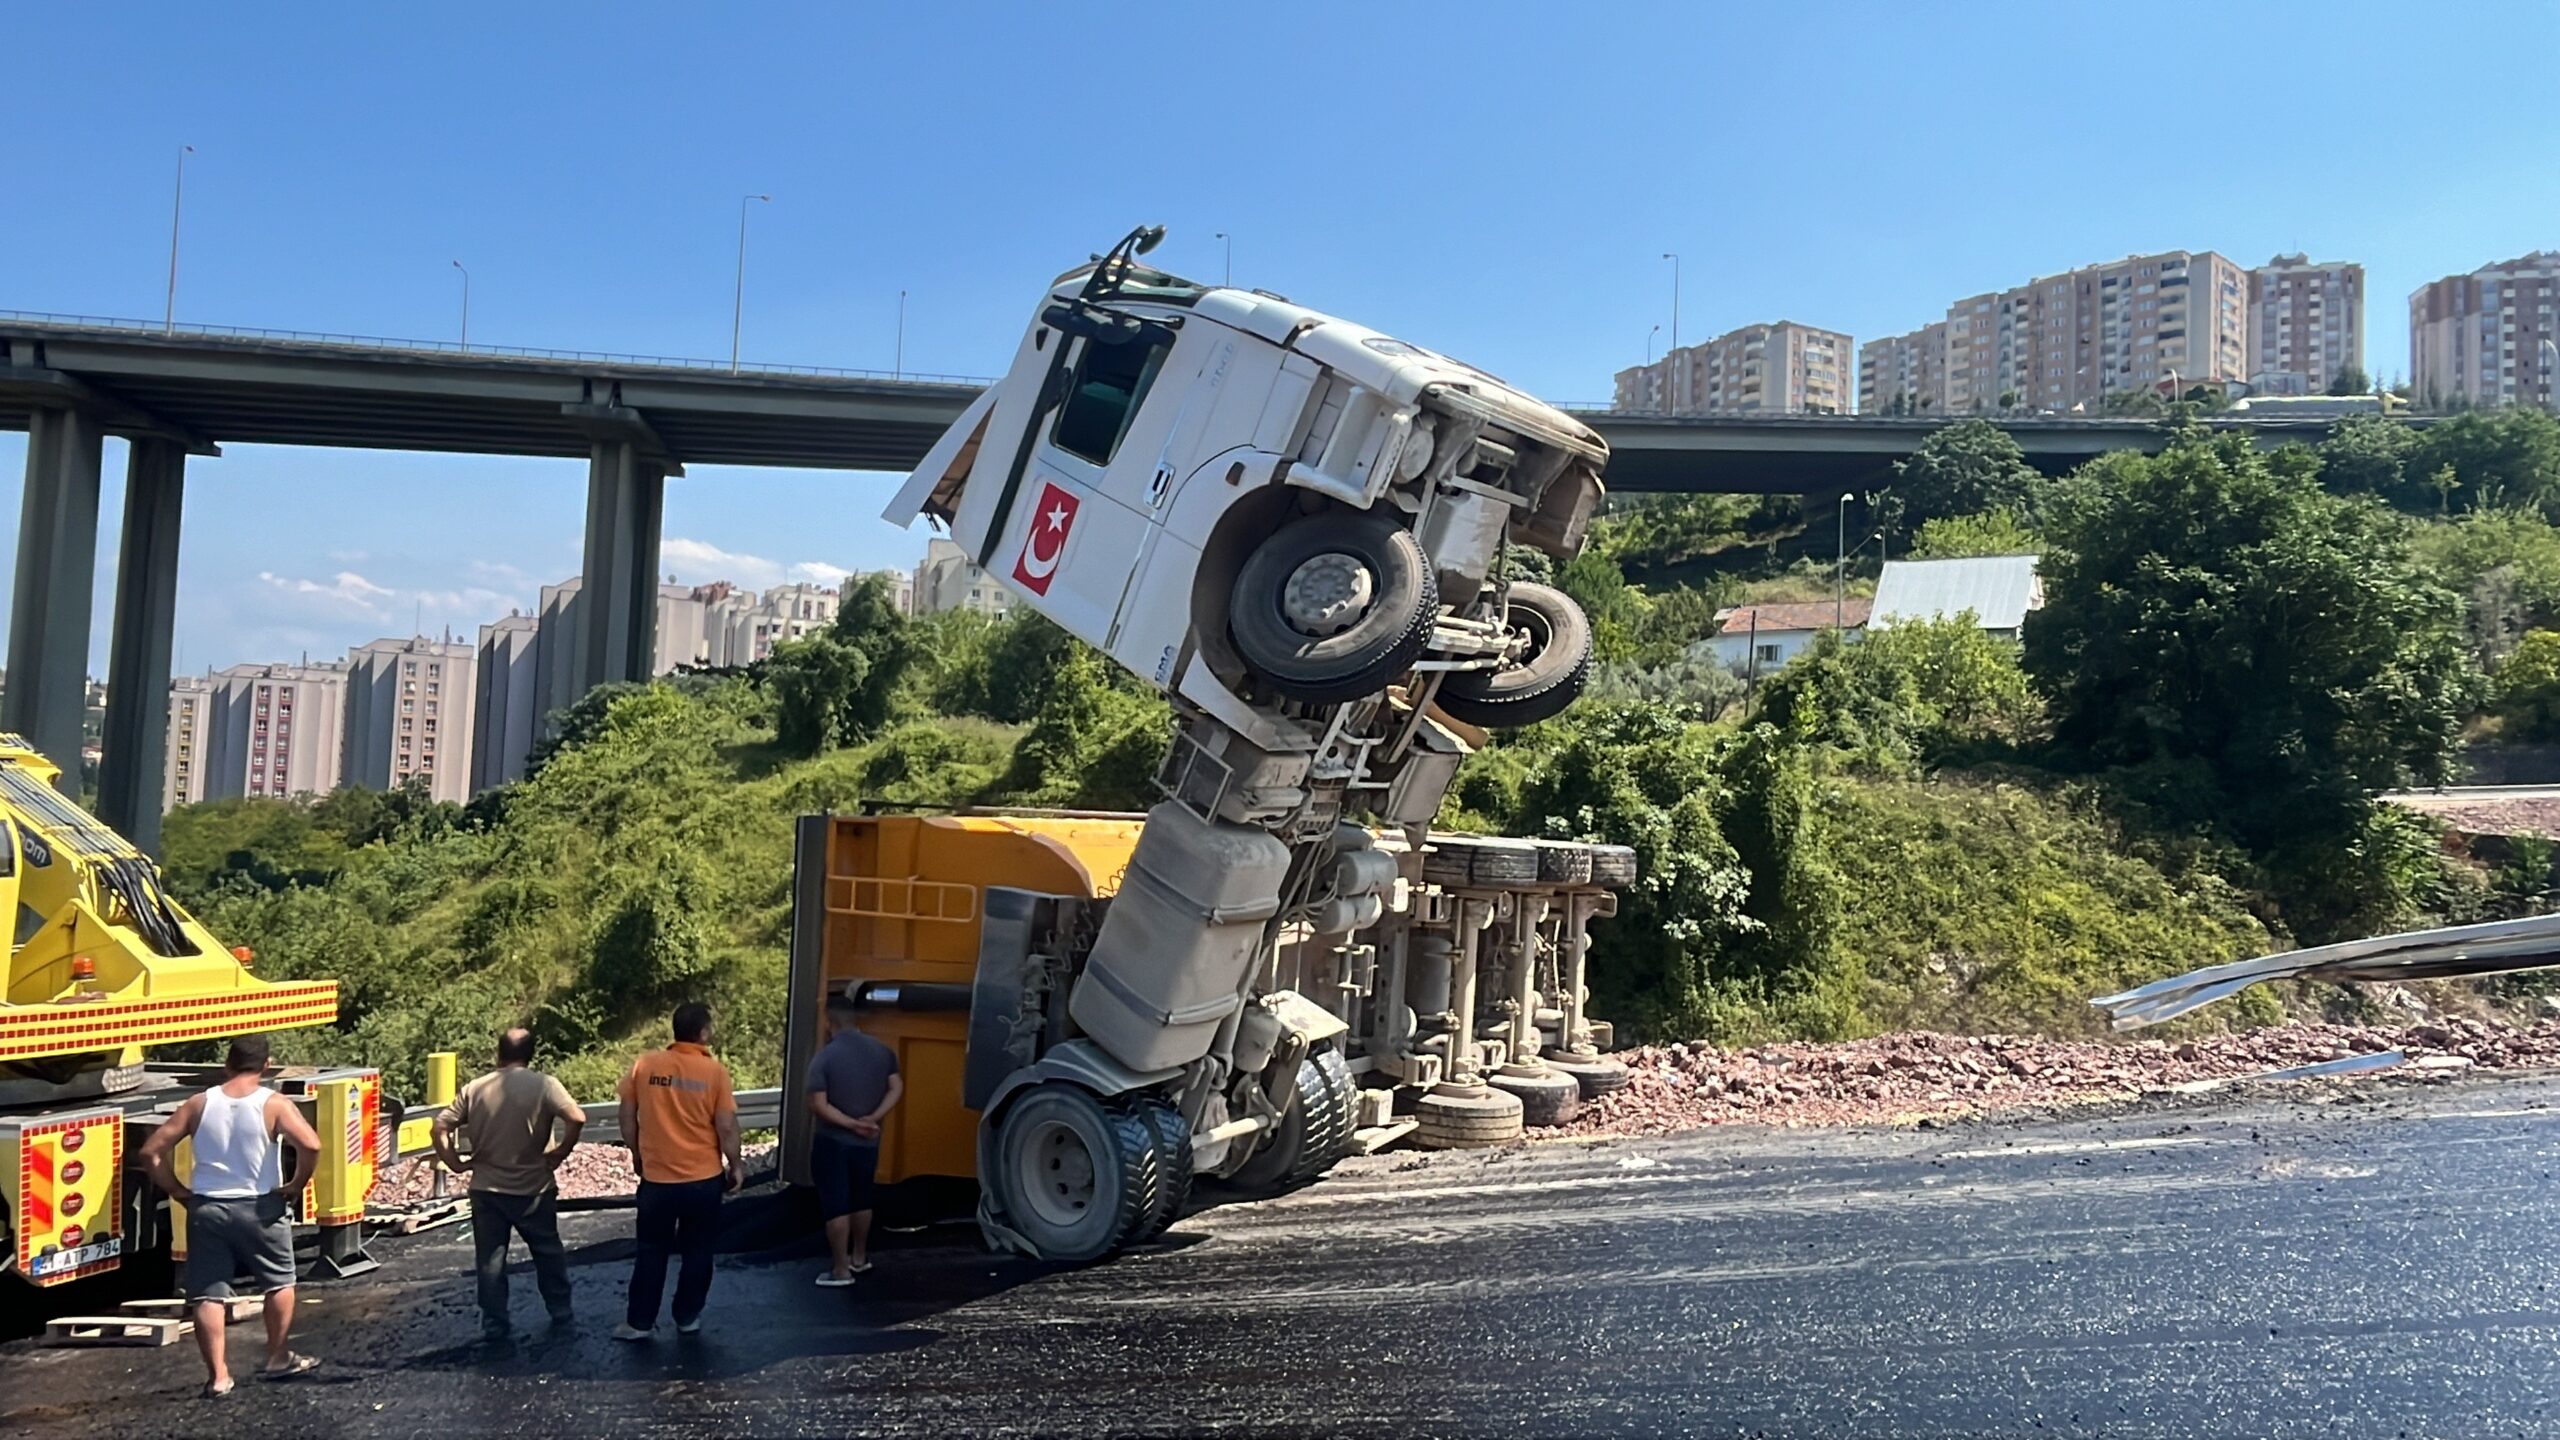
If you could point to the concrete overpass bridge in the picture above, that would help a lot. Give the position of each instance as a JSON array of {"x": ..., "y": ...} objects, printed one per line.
[{"x": 70, "y": 381}]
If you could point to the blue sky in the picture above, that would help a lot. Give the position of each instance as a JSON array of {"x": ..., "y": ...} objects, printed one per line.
[{"x": 1495, "y": 180}]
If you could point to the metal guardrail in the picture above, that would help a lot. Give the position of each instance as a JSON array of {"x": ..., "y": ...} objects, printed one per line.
[
  {"x": 757, "y": 1110},
  {"x": 146, "y": 330}
]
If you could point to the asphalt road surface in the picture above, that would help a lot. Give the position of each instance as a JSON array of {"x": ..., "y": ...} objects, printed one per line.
[{"x": 2320, "y": 1260}]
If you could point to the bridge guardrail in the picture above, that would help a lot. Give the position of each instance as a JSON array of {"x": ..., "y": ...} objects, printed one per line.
[
  {"x": 757, "y": 1110},
  {"x": 144, "y": 329}
]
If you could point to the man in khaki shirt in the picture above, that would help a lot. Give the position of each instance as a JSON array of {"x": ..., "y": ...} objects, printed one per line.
[{"x": 507, "y": 1121}]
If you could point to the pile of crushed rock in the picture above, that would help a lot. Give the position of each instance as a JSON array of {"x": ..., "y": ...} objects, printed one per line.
[{"x": 1900, "y": 1078}]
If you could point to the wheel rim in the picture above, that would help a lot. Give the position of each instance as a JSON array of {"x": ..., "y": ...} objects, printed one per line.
[
  {"x": 1536, "y": 634},
  {"x": 1328, "y": 594},
  {"x": 1057, "y": 1173}
]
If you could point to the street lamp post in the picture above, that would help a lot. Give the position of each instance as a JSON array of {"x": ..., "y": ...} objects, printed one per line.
[
  {"x": 177, "y": 207},
  {"x": 1675, "y": 297},
  {"x": 1229, "y": 243},
  {"x": 1648, "y": 343},
  {"x": 898, "y": 366},
  {"x": 466, "y": 303},
  {"x": 738, "y": 304},
  {"x": 1840, "y": 572}
]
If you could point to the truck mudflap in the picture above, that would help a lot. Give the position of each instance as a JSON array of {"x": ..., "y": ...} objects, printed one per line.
[{"x": 64, "y": 1175}]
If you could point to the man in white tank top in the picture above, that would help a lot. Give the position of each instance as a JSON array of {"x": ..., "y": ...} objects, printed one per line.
[{"x": 235, "y": 1199}]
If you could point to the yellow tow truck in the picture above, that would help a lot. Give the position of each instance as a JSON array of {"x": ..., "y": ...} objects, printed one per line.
[{"x": 103, "y": 964}]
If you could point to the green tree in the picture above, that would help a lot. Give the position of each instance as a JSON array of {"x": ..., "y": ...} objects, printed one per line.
[
  {"x": 2350, "y": 380},
  {"x": 2277, "y": 647},
  {"x": 1993, "y": 532},
  {"x": 2369, "y": 455},
  {"x": 2528, "y": 687},
  {"x": 2509, "y": 456},
  {"x": 1964, "y": 469},
  {"x": 1918, "y": 691},
  {"x": 835, "y": 687}
]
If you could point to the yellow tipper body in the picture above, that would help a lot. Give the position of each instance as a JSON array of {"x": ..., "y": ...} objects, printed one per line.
[{"x": 103, "y": 961}]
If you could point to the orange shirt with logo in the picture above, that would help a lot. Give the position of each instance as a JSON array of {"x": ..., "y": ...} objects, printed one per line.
[{"x": 672, "y": 1098}]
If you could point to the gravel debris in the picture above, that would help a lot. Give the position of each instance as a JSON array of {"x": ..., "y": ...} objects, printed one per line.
[
  {"x": 1900, "y": 1079},
  {"x": 591, "y": 1172}
]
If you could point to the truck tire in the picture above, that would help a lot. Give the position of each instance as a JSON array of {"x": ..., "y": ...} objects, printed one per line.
[
  {"x": 1334, "y": 607},
  {"x": 1545, "y": 679},
  {"x": 1173, "y": 1168},
  {"x": 1545, "y": 1100},
  {"x": 1562, "y": 862},
  {"x": 1596, "y": 1077},
  {"x": 1077, "y": 1174},
  {"x": 1613, "y": 867},
  {"x": 1486, "y": 864},
  {"x": 1313, "y": 1133},
  {"x": 1466, "y": 1122}
]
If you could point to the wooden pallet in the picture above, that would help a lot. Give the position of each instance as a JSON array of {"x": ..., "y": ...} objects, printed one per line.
[
  {"x": 236, "y": 1307},
  {"x": 148, "y": 1330},
  {"x": 410, "y": 1222}
]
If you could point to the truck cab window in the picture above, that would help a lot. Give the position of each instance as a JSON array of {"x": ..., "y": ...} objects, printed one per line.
[{"x": 1111, "y": 382}]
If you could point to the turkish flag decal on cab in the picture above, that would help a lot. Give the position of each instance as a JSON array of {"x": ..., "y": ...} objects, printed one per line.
[{"x": 1041, "y": 549}]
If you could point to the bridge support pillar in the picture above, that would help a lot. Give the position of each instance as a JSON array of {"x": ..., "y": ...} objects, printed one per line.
[
  {"x": 136, "y": 737},
  {"x": 49, "y": 602},
  {"x": 618, "y": 586}
]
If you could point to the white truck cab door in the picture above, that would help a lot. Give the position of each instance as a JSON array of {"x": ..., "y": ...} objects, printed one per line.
[{"x": 1079, "y": 520}]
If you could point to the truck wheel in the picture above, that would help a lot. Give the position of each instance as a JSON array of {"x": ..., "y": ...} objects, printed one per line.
[
  {"x": 1077, "y": 1173},
  {"x": 1548, "y": 1099},
  {"x": 1466, "y": 1122},
  {"x": 1173, "y": 1168},
  {"x": 1596, "y": 1077},
  {"x": 1313, "y": 1132},
  {"x": 1613, "y": 866},
  {"x": 1548, "y": 676},
  {"x": 1334, "y": 607}
]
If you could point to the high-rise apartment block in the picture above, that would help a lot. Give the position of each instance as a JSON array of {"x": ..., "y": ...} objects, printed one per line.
[
  {"x": 2306, "y": 324},
  {"x": 949, "y": 580},
  {"x": 2491, "y": 337},
  {"x": 182, "y": 759},
  {"x": 1775, "y": 369},
  {"x": 409, "y": 715},
  {"x": 503, "y": 718},
  {"x": 2067, "y": 341},
  {"x": 1903, "y": 374},
  {"x": 275, "y": 731}
]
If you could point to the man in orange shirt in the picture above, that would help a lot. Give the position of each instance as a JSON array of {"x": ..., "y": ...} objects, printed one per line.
[{"x": 680, "y": 1119}]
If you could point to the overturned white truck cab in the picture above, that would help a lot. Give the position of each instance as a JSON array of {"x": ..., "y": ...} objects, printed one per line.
[{"x": 1294, "y": 527}]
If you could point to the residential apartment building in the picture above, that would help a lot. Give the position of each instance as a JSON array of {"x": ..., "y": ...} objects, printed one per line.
[
  {"x": 503, "y": 719},
  {"x": 1904, "y": 374},
  {"x": 2306, "y": 324},
  {"x": 949, "y": 580},
  {"x": 409, "y": 715},
  {"x": 182, "y": 760},
  {"x": 2066, "y": 341},
  {"x": 1781, "y": 368},
  {"x": 274, "y": 731},
  {"x": 2491, "y": 337}
]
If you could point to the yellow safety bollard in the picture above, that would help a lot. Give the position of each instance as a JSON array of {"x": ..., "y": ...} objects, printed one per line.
[
  {"x": 182, "y": 1163},
  {"x": 440, "y": 1078}
]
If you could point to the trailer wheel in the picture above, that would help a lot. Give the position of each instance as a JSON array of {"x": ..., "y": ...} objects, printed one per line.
[
  {"x": 1596, "y": 1077},
  {"x": 1334, "y": 607},
  {"x": 1076, "y": 1173},
  {"x": 1547, "y": 1099},
  {"x": 1173, "y": 1168},
  {"x": 1548, "y": 676},
  {"x": 1314, "y": 1131},
  {"x": 1466, "y": 1122}
]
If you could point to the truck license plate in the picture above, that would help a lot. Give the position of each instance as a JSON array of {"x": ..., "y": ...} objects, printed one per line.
[{"x": 61, "y": 1260}]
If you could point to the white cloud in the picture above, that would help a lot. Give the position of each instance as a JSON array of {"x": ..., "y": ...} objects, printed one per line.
[
  {"x": 344, "y": 592},
  {"x": 699, "y": 562}
]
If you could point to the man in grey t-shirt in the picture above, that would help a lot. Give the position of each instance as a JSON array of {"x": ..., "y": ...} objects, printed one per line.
[{"x": 853, "y": 1083}]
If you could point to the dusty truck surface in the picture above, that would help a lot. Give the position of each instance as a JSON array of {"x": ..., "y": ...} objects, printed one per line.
[
  {"x": 1294, "y": 527},
  {"x": 103, "y": 965}
]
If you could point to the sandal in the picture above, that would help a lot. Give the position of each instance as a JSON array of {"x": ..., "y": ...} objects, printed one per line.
[
  {"x": 221, "y": 1391},
  {"x": 293, "y": 1365},
  {"x": 827, "y": 1280}
]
